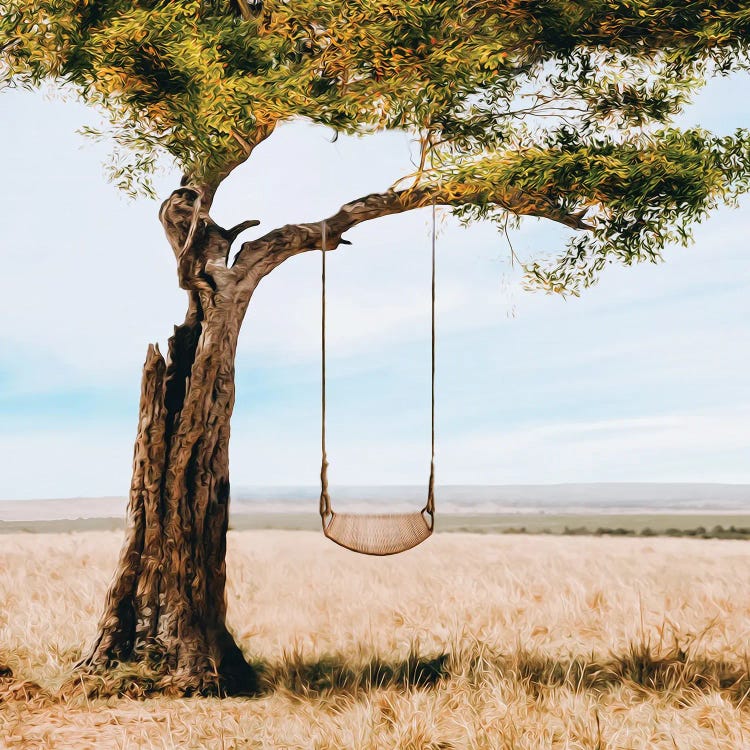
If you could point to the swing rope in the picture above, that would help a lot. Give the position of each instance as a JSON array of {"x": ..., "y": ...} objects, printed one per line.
[
  {"x": 375, "y": 533},
  {"x": 430, "y": 506},
  {"x": 325, "y": 498}
]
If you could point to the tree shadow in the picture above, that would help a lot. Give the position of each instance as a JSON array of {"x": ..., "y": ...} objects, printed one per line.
[
  {"x": 671, "y": 673},
  {"x": 295, "y": 675},
  {"x": 335, "y": 674}
]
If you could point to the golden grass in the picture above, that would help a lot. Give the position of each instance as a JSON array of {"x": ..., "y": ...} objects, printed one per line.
[{"x": 466, "y": 642}]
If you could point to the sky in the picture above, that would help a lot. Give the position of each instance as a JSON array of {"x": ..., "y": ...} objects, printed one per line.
[{"x": 643, "y": 378}]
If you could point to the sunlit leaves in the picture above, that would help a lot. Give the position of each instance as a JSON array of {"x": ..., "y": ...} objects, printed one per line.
[
  {"x": 643, "y": 196},
  {"x": 567, "y": 100}
]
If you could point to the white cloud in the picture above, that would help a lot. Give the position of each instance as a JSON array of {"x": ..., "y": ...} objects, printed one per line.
[{"x": 662, "y": 448}]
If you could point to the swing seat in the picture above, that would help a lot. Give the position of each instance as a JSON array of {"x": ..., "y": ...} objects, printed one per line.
[
  {"x": 378, "y": 533},
  {"x": 373, "y": 533}
]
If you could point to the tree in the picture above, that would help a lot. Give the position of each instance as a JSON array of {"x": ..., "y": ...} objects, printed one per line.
[{"x": 559, "y": 110}]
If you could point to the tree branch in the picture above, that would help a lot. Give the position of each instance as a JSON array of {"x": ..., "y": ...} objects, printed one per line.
[
  {"x": 238, "y": 229},
  {"x": 9, "y": 45},
  {"x": 259, "y": 257}
]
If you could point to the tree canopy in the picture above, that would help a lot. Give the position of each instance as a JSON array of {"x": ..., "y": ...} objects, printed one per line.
[{"x": 557, "y": 109}]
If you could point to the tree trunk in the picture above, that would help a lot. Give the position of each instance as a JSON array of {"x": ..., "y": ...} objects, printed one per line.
[{"x": 166, "y": 605}]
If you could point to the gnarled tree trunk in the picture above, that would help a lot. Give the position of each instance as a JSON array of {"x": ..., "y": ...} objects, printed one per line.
[{"x": 166, "y": 604}]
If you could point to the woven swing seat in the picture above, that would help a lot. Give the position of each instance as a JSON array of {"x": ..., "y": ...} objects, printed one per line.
[
  {"x": 378, "y": 533},
  {"x": 374, "y": 533}
]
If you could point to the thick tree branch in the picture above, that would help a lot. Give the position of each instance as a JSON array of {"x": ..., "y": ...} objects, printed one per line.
[
  {"x": 259, "y": 257},
  {"x": 200, "y": 245}
]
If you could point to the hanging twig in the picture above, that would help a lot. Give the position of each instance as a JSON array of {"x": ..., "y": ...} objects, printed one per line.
[{"x": 513, "y": 256}]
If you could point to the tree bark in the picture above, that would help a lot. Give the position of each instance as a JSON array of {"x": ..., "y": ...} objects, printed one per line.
[{"x": 166, "y": 604}]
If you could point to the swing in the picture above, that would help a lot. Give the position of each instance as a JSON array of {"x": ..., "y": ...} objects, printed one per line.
[{"x": 375, "y": 533}]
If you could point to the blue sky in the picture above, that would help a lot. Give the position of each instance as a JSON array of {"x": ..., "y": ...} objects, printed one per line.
[{"x": 644, "y": 378}]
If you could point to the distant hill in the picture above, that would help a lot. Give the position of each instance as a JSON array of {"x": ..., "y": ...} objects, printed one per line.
[
  {"x": 620, "y": 497},
  {"x": 599, "y": 497}
]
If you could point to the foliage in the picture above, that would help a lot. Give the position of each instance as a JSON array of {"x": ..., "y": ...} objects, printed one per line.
[{"x": 570, "y": 99}]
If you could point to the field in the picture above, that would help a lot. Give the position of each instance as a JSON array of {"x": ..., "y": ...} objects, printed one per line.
[
  {"x": 470, "y": 641},
  {"x": 716, "y": 525}
]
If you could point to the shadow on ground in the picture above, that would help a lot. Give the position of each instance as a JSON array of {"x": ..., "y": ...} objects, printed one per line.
[
  {"x": 336, "y": 674},
  {"x": 673, "y": 675}
]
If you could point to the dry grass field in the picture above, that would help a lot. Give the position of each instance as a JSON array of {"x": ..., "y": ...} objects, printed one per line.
[{"x": 467, "y": 642}]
